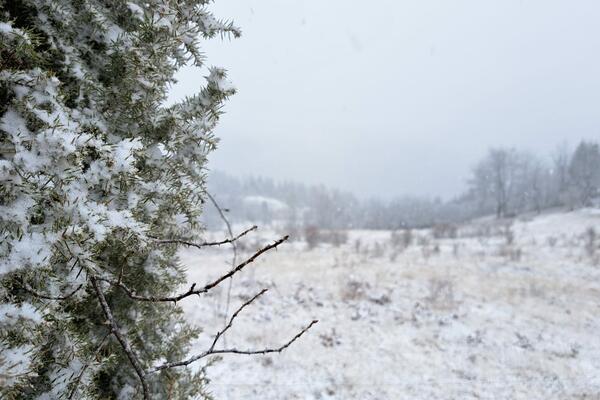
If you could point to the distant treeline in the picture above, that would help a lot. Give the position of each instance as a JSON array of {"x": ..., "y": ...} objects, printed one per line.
[{"x": 505, "y": 182}]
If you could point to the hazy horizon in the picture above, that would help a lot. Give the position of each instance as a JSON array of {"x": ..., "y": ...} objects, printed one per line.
[{"x": 400, "y": 98}]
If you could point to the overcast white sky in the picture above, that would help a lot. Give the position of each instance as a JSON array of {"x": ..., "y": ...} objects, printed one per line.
[{"x": 392, "y": 97}]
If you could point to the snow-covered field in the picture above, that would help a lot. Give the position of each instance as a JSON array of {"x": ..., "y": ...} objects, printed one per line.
[{"x": 496, "y": 313}]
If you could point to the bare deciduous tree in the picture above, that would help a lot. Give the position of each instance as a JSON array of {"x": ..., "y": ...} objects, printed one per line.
[
  {"x": 584, "y": 171},
  {"x": 494, "y": 179}
]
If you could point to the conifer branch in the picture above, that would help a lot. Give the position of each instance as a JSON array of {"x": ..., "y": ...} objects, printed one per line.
[
  {"x": 86, "y": 366},
  {"x": 192, "y": 290},
  {"x": 47, "y": 297},
  {"x": 114, "y": 329}
]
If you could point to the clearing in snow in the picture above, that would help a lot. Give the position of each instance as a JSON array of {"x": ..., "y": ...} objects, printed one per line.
[{"x": 494, "y": 310}]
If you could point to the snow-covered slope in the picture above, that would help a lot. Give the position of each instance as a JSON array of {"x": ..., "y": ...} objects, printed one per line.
[{"x": 499, "y": 312}]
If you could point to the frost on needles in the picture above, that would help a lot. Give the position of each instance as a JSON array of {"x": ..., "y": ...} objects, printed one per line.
[{"x": 97, "y": 177}]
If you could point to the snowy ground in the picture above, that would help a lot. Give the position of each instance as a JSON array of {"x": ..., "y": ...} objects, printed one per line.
[{"x": 474, "y": 317}]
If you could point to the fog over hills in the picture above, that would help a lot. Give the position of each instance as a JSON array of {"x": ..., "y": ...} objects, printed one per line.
[
  {"x": 400, "y": 97},
  {"x": 505, "y": 182}
]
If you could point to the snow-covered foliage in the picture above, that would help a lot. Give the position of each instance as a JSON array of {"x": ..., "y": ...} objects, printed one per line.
[{"x": 93, "y": 168}]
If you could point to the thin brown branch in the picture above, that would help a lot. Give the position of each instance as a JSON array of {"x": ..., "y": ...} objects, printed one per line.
[
  {"x": 114, "y": 329},
  {"x": 267, "y": 351},
  {"x": 212, "y": 351},
  {"x": 200, "y": 245},
  {"x": 233, "y": 259},
  {"x": 221, "y": 213},
  {"x": 192, "y": 290},
  {"x": 234, "y": 316},
  {"x": 86, "y": 366},
  {"x": 46, "y": 297}
]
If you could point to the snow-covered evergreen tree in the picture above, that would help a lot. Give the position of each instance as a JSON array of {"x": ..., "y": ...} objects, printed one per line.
[{"x": 93, "y": 170}]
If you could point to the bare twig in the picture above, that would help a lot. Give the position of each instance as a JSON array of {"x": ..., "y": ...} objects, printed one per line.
[
  {"x": 234, "y": 248},
  {"x": 233, "y": 317},
  {"x": 267, "y": 351},
  {"x": 44, "y": 296},
  {"x": 192, "y": 290},
  {"x": 221, "y": 213},
  {"x": 212, "y": 351},
  {"x": 114, "y": 329},
  {"x": 231, "y": 240},
  {"x": 86, "y": 366}
]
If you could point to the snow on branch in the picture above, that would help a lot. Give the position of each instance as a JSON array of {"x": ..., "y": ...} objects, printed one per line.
[{"x": 86, "y": 366}]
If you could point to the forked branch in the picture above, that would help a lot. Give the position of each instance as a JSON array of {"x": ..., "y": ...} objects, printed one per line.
[
  {"x": 233, "y": 351},
  {"x": 267, "y": 350},
  {"x": 234, "y": 316},
  {"x": 213, "y": 351},
  {"x": 192, "y": 290},
  {"x": 133, "y": 359}
]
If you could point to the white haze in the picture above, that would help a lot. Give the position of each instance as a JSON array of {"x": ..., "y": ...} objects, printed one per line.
[{"x": 394, "y": 97}]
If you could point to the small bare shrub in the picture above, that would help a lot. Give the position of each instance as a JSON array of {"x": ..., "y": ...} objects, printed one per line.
[
  {"x": 444, "y": 231},
  {"x": 423, "y": 241},
  {"x": 378, "y": 250},
  {"x": 513, "y": 253},
  {"x": 357, "y": 246},
  {"x": 381, "y": 300},
  {"x": 336, "y": 238},
  {"x": 400, "y": 240},
  {"x": 293, "y": 231},
  {"x": 354, "y": 290},
  {"x": 330, "y": 339},
  {"x": 508, "y": 234},
  {"x": 266, "y": 361},
  {"x": 426, "y": 251},
  {"x": 516, "y": 254},
  {"x": 483, "y": 231},
  {"x": 407, "y": 237},
  {"x": 312, "y": 236},
  {"x": 455, "y": 249},
  {"x": 441, "y": 293},
  {"x": 590, "y": 238}
]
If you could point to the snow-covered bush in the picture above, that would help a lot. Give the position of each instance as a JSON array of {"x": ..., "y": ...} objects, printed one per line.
[{"x": 100, "y": 183}]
